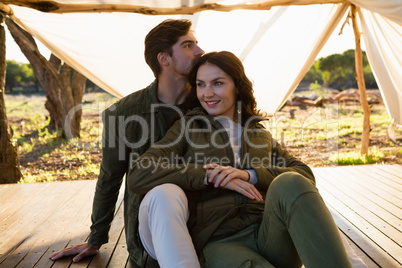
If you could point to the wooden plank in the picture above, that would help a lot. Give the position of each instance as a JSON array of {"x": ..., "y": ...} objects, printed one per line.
[
  {"x": 333, "y": 171},
  {"x": 61, "y": 242},
  {"x": 363, "y": 206},
  {"x": 46, "y": 227},
  {"x": 11, "y": 192},
  {"x": 374, "y": 189},
  {"x": 384, "y": 206},
  {"x": 395, "y": 170},
  {"x": 358, "y": 251},
  {"x": 120, "y": 256},
  {"x": 27, "y": 205},
  {"x": 19, "y": 196},
  {"x": 375, "y": 183},
  {"x": 361, "y": 200},
  {"x": 65, "y": 238},
  {"x": 64, "y": 222},
  {"x": 107, "y": 250},
  {"x": 350, "y": 221},
  {"x": 115, "y": 233},
  {"x": 377, "y": 190},
  {"x": 387, "y": 235},
  {"x": 384, "y": 177},
  {"x": 362, "y": 246},
  {"x": 81, "y": 236},
  {"x": 20, "y": 229}
]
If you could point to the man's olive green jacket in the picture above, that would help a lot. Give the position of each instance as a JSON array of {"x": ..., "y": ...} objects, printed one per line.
[{"x": 131, "y": 125}]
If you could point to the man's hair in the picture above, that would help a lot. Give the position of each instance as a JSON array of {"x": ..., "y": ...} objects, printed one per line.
[
  {"x": 233, "y": 67},
  {"x": 161, "y": 39}
]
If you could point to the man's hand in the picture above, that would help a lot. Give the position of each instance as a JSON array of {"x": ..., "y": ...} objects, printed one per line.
[
  {"x": 222, "y": 175},
  {"x": 80, "y": 250}
]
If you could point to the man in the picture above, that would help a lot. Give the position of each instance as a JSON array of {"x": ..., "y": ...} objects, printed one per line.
[{"x": 132, "y": 125}]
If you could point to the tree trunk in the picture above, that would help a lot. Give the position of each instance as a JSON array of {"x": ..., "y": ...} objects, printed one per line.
[
  {"x": 64, "y": 87},
  {"x": 362, "y": 85},
  {"x": 9, "y": 162}
]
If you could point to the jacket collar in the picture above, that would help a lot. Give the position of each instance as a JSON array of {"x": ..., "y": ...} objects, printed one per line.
[{"x": 254, "y": 123}]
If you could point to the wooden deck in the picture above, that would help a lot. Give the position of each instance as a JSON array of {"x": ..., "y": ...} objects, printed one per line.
[{"x": 38, "y": 219}]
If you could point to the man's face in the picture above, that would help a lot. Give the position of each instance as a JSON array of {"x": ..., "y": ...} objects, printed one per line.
[{"x": 185, "y": 53}]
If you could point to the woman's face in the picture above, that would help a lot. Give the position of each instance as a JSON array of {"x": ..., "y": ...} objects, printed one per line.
[{"x": 216, "y": 91}]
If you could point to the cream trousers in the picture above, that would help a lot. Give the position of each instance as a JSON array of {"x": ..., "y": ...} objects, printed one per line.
[{"x": 163, "y": 229}]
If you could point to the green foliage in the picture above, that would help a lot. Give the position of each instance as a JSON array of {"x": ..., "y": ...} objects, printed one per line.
[
  {"x": 338, "y": 71},
  {"x": 355, "y": 158},
  {"x": 369, "y": 77},
  {"x": 18, "y": 73},
  {"x": 314, "y": 74}
]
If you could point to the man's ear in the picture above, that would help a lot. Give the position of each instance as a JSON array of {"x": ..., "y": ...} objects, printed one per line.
[{"x": 163, "y": 59}]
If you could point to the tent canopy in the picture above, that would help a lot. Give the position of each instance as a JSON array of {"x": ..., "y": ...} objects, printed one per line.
[{"x": 277, "y": 40}]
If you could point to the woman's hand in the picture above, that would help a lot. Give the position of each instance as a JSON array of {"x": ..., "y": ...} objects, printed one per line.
[
  {"x": 222, "y": 175},
  {"x": 231, "y": 178},
  {"x": 245, "y": 188}
]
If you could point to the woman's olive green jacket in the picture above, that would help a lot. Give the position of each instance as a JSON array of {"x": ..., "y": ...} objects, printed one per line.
[{"x": 198, "y": 139}]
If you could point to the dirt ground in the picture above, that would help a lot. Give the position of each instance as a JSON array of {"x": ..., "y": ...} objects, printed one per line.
[{"x": 315, "y": 152}]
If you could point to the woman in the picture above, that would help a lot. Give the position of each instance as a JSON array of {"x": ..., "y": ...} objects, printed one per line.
[{"x": 226, "y": 162}]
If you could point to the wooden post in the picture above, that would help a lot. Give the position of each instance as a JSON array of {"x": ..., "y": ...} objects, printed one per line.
[
  {"x": 361, "y": 84},
  {"x": 9, "y": 162}
]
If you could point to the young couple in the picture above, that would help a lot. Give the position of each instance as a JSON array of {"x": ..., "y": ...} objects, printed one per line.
[{"x": 232, "y": 212}]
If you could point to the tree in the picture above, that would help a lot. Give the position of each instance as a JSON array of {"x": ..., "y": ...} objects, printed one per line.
[
  {"x": 338, "y": 71},
  {"x": 340, "y": 68},
  {"x": 368, "y": 76},
  {"x": 314, "y": 74},
  {"x": 9, "y": 162},
  {"x": 63, "y": 86},
  {"x": 18, "y": 73},
  {"x": 13, "y": 76}
]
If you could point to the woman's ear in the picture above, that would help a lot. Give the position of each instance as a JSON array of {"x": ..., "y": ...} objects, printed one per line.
[{"x": 163, "y": 59}]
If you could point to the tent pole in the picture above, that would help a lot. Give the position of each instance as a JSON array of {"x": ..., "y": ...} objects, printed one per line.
[
  {"x": 6, "y": 9},
  {"x": 361, "y": 84},
  {"x": 52, "y": 6}
]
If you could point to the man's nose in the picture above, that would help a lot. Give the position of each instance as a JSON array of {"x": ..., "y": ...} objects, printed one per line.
[{"x": 199, "y": 51}]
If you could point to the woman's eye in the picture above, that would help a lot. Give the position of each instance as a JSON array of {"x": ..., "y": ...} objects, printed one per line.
[
  {"x": 199, "y": 84},
  {"x": 218, "y": 83}
]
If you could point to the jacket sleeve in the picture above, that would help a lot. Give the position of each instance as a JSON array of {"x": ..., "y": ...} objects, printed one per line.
[
  {"x": 164, "y": 162},
  {"x": 282, "y": 161},
  {"x": 113, "y": 167}
]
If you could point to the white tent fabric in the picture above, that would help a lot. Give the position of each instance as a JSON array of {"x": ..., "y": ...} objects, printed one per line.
[
  {"x": 383, "y": 41},
  {"x": 391, "y": 9},
  {"x": 277, "y": 46}
]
